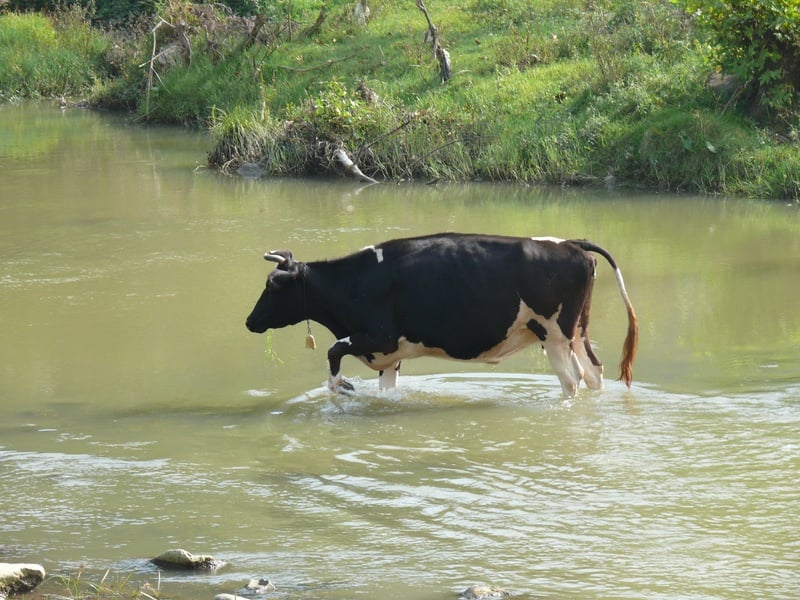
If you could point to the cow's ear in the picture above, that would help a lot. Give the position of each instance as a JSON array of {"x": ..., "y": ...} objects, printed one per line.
[{"x": 283, "y": 258}]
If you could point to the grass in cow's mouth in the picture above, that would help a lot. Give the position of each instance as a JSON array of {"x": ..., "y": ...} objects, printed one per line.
[{"x": 269, "y": 350}]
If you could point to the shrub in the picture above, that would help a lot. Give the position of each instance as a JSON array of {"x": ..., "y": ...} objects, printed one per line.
[{"x": 758, "y": 41}]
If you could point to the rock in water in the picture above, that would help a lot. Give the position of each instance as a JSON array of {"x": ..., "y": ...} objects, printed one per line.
[
  {"x": 481, "y": 591},
  {"x": 257, "y": 587},
  {"x": 181, "y": 559},
  {"x": 19, "y": 578}
]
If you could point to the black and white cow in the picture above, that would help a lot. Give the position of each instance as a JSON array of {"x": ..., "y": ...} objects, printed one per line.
[{"x": 464, "y": 297}]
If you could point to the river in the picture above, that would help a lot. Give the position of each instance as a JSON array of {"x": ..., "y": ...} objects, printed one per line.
[{"x": 137, "y": 414}]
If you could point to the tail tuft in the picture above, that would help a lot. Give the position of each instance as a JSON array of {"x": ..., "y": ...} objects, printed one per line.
[
  {"x": 631, "y": 343},
  {"x": 629, "y": 347}
]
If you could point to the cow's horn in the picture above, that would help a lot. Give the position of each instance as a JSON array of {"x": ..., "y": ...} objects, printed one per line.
[{"x": 278, "y": 256}]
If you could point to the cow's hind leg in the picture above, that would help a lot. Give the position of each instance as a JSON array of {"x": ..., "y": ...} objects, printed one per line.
[
  {"x": 387, "y": 379},
  {"x": 565, "y": 363},
  {"x": 592, "y": 367}
]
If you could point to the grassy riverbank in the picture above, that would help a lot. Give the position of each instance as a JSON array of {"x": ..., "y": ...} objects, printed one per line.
[{"x": 548, "y": 91}]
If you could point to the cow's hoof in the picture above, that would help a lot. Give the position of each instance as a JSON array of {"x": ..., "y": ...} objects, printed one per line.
[
  {"x": 340, "y": 385},
  {"x": 345, "y": 387}
]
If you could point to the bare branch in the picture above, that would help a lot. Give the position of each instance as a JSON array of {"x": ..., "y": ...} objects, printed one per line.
[{"x": 441, "y": 54}]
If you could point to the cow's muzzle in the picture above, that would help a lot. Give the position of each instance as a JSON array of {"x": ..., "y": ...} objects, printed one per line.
[{"x": 255, "y": 327}]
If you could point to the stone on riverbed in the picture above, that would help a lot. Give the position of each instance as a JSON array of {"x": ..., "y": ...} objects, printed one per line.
[
  {"x": 181, "y": 559},
  {"x": 19, "y": 578},
  {"x": 256, "y": 588},
  {"x": 481, "y": 591}
]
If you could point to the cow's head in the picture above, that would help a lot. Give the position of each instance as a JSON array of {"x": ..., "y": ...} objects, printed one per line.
[{"x": 282, "y": 302}]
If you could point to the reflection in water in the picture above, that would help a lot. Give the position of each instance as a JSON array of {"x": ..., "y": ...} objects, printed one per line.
[{"x": 138, "y": 414}]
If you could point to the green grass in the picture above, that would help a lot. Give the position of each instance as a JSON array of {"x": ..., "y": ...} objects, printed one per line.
[
  {"x": 40, "y": 57},
  {"x": 542, "y": 91},
  {"x": 74, "y": 586}
]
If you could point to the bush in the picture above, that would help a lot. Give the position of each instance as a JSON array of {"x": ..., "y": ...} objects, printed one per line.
[{"x": 758, "y": 41}]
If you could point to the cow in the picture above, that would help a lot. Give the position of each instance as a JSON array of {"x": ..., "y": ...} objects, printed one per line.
[{"x": 459, "y": 296}]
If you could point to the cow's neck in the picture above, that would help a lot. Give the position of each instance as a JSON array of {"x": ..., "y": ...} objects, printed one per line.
[{"x": 323, "y": 297}]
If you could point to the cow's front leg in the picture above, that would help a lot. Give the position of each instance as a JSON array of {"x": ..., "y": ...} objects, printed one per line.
[
  {"x": 387, "y": 379},
  {"x": 358, "y": 345},
  {"x": 337, "y": 383}
]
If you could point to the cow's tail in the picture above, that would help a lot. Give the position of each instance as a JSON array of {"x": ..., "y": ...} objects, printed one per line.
[{"x": 632, "y": 338}]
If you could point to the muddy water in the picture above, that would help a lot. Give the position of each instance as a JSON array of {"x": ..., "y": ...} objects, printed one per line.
[{"x": 137, "y": 414}]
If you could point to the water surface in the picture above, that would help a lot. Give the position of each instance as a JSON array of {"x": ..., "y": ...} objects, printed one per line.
[{"x": 137, "y": 414}]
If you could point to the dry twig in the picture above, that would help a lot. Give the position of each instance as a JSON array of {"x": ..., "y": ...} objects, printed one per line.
[{"x": 441, "y": 54}]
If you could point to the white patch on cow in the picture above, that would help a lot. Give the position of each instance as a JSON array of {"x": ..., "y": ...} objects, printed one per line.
[
  {"x": 345, "y": 340},
  {"x": 405, "y": 350},
  {"x": 378, "y": 252},
  {"x": 547, "y": 238},
  {"x": 517, "y": 337}
]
